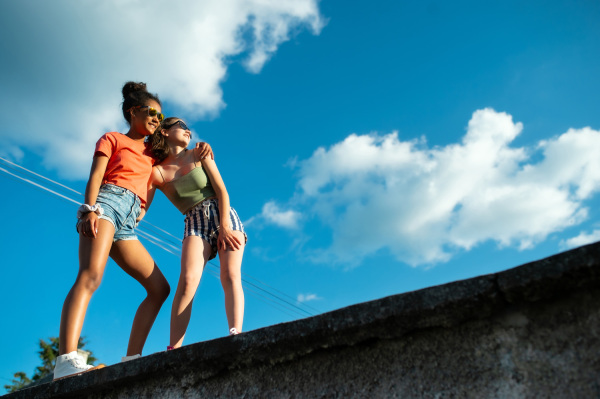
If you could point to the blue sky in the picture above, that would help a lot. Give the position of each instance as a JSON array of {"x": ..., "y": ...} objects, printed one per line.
[{"x": 371, "y": 148}]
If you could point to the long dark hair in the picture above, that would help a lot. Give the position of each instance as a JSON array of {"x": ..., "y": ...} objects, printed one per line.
[
  {"x": 158, "y": 143},
  {"x": 136, "y": 94}
]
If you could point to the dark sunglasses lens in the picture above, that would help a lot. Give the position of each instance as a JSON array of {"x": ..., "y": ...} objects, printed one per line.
[
  {"x": 183, "y": 125},
  {"x": 154, "y": 112}
]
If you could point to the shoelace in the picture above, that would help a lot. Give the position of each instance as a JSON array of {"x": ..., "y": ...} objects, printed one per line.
[{"x": 78, "y": 363}]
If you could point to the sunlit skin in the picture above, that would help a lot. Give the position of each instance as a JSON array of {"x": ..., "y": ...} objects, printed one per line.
[
  {"x": 96, "y": 244},
  {"x": 195, "y": 250}
]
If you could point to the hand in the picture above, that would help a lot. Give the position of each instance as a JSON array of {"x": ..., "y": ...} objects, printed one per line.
[
  {"x": 228, "y": 240},
  {"x": 139, "y": 218},
  {"x": 203, "y": 150},
  {"x": 89, "y": 225}
]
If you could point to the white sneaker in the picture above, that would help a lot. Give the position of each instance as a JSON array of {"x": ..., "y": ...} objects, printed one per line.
[
  {"x": 233, "y": 331},
  {"x": 128, "y": 358},
  {"x": 70, "y": 364}
]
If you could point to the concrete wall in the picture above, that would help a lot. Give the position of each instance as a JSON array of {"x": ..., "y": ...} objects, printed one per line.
[{"x": 529, "y": 332}]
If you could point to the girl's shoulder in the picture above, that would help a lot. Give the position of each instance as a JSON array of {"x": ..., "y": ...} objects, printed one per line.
[
  {"x": 113, "y": 138},
  {"x": 115, "y": 135},
  {"x": 156, "y": 176},
  {"x": 108, "y": 144}
]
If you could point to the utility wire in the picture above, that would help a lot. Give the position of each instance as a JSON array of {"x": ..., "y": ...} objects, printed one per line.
[
  {"x": 39, "y": 186},
  {"x": 40, "y": 176},
  {"x": 14, "y": 166},
  {"x": 172, "y": 244}
]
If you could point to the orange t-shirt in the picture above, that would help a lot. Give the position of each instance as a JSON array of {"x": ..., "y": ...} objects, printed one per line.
[{"x": 129, "y": 163}]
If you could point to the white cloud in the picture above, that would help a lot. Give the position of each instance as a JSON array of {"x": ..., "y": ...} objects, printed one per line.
[
  {"x": 582, "y": 239},
  {"x": 66, "y": 62},
  {"x": 12, "y": 152},
  {"x": 380, "y": 193},
  {"x": 307, "y": 297},
  {"x": 272, "y": 214}
]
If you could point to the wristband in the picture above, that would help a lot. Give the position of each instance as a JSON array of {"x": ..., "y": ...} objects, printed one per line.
[{"x": 85, "y": 208}]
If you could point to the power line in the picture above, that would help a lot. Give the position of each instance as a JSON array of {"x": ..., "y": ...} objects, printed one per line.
[
  {"x": 172, "y": 244},
  {"x": 39, "y": 186},
  {"x": 38, "y": 175}
]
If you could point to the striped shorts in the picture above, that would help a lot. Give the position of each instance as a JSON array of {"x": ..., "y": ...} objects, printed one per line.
[{"x": 203, "y": 221}]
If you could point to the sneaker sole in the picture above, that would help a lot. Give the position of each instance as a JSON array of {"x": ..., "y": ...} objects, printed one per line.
[{"x": 98, "y": 367}]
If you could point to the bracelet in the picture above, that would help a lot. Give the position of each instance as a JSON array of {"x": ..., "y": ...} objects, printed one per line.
[{"x": 85, "y": 208}]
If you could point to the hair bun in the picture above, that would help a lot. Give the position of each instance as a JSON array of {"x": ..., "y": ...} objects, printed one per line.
[
  {"x": 135, "y": 94},
  {"x": 132, "y": 87}
]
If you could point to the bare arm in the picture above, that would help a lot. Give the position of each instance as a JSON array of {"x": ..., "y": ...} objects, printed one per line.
[
  {"x": 153, "y": 184},
  {"x": 226, "y": 237},
  {"x": 90, "y": 220}
]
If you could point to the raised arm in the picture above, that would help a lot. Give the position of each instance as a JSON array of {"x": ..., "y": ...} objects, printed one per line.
[{"x": 203, "y": 150}]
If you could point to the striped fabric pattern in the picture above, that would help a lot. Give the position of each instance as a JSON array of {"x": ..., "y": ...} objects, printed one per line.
[{"x": 203, "y": 221}]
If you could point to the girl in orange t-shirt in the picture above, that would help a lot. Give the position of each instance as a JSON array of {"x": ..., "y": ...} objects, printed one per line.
[{"x": 115, "y": 196}]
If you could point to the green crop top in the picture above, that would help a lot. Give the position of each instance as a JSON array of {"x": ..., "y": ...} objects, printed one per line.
[{"x": 188, "y": 190}]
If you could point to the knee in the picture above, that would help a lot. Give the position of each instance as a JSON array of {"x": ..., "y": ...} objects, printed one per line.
[
  {"x": 89, "y": 281},
  {"x": 164, "y": 291},
  {"x": 189, "y": 284},
  {"x": 160, "y": 290},
  {"x": 229, "y": 277}
]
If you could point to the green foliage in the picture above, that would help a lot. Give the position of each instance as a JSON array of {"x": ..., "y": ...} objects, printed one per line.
[
  {"x": 20, "y": 381},
  {"x": 48, "y": 353}
]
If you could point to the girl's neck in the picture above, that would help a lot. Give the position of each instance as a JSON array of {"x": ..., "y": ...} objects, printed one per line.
[
  {"x": 176, "y": 153},
  {"x": 134, "y": 135}
]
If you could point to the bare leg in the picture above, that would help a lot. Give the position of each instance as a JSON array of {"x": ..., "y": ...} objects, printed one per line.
[
  {"x": 195, "y": 253},
  {"x": 93, "y": 254},
  {"x": 231, "y": 280},
  {"x": 133, "y": 258}
]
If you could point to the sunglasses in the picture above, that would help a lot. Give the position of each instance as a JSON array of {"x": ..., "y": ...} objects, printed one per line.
[
  {"x": 151, "y": 111},
  {"x": 181, "y": 125}
]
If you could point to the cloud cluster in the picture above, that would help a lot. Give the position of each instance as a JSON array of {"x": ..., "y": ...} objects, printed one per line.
[
  {"x": 67, "y": 61},
  {"x": 272, "y": 214},
  {"x": 423, "y": 204},
  {"x": 302, "y": 298},
  {"x": 582, "y": 239}
]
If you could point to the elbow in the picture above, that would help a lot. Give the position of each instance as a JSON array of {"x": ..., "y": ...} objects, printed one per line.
[
  {"x": 223, "y": 197},
  {"x": 221, "y": 193}
]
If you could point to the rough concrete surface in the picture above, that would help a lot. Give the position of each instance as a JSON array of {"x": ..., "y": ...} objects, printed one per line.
[{"x": 529, "y": 332}]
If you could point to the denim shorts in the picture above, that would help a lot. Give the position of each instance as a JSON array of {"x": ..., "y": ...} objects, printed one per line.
[
  {"x": 121, "y": 208},
  {"x": 203, "y": 221}
]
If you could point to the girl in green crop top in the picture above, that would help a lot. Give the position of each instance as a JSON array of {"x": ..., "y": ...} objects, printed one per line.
[{"x": 212, "y": 227}]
